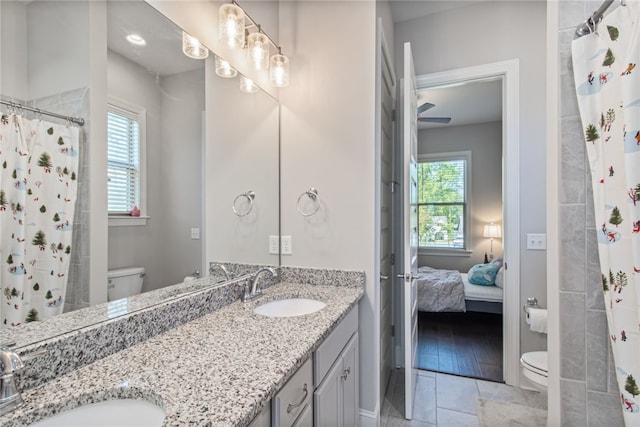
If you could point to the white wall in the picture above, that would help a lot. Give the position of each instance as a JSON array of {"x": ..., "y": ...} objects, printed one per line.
[
  {"x": 485, "y": 143},
  {"x": 174, "y": 149},
  {"x": 13, "y": 50},
  {"x": 484, "y": 33},
  {"x": 327, "y": 142},
  {"x": 241, "y": 154},
  {"x": 58, "y": 56}
]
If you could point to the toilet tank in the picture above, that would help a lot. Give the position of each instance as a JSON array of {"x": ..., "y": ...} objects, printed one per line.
[{"x": 124, "y": 282}]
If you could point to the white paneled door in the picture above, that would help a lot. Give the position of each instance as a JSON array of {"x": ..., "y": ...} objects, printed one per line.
[{"x": 410, "y": 187}]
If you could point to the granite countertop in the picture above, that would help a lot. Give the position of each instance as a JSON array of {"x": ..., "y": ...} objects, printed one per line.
[{"x": 218, "y": 370}]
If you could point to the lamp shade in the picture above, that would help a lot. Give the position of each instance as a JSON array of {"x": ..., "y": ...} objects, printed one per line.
[
  {"x": 247, "y": 85},
  {"x": 192, "y": 47},
  {"x": 492, "y": 230},
  {"x": 279, "y": 71},
  {"x": 224, "y": 69},
  {"x": 231, "y": 26},
  {"x": 258, "y": 50}
]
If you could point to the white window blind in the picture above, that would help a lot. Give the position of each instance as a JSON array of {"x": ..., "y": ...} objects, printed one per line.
[
  {"x": 123, "y": 135},
  {"x": 442, "y": 201}
]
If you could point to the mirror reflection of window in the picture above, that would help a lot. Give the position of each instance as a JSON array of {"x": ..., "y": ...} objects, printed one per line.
[{"x": 124, "y": 142}]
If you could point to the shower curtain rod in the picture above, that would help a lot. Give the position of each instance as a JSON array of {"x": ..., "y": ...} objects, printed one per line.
[
  {"x": 589, "y": 25},
  {"x": 77, "y": 120}
]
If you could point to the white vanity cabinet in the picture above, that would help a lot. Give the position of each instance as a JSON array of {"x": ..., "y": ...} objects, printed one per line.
[
  {"x": 263, "y": 419},
  {"x": 335, "y": 399}
]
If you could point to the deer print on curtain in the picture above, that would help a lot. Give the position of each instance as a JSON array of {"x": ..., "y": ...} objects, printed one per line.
[
  {"x": 38, "y": 167},
  {"x": 608, "y": 89}
]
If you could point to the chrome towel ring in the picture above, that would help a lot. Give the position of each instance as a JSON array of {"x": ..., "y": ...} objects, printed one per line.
[
  {"x": 249, "y": 195},
  {"x": 312, "y": 194}
]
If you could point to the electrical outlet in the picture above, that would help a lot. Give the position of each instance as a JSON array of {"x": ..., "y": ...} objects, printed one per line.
[
  {"x": 287, "y": 247},
  {"x": 274, "y": 247},
  {"x": 537, "y": 242},
  {"x": 195, "y": 233}
]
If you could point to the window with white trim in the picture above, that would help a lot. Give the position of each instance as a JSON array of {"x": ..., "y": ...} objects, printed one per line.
[
  {"x": 125, "y": 149},
  {"x": 443, "y": 205}
]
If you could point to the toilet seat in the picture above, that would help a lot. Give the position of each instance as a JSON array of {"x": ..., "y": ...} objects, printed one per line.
[{"x": 536, "y": 361}]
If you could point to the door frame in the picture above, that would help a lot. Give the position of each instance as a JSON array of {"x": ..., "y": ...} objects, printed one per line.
[{"x": 509, "y": 72}]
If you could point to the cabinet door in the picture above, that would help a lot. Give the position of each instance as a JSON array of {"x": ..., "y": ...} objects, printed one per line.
[
  {"x": 327, "y": 399},
  {"x": 349, "y": 378}
]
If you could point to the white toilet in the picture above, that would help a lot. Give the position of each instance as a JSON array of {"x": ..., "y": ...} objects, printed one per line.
[
  {"x": 124, "y": 282},
  {"x": 534, "y": 366}
]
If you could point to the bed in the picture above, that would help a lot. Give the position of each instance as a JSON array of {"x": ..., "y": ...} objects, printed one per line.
[{"x": 449, "y": 290}]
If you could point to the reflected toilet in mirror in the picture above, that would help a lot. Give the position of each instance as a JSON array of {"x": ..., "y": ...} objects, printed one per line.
[{"x": 124, "y": 282}]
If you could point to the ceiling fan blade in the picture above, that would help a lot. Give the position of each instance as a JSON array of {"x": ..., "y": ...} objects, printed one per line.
[
  {"x": 434, "y": 119},
  {"x": 424, "y": 107}
]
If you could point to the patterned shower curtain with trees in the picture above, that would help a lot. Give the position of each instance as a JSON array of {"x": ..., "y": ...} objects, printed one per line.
[
  {"x": 38, "y": 167},
  {"x": 608, "y": 87}
]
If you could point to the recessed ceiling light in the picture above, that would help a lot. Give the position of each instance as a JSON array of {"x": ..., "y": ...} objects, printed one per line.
[{"x": 136, "y": 39}]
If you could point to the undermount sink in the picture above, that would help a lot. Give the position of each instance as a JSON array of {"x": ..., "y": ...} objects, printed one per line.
[
  {"x": 109, "y": 413},
  {"x": 289, "y": 307}
]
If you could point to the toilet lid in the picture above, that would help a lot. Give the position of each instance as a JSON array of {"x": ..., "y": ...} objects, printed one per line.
[{"x": 537, "y": 360}]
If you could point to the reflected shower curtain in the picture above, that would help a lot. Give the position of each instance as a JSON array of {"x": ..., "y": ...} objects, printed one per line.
[
  {"x": 38, "y": 170},
  {"x": 608, "y": 87}
]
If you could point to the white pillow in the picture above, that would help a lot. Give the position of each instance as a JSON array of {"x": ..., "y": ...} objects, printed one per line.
[{"x": 500, "y": 278}]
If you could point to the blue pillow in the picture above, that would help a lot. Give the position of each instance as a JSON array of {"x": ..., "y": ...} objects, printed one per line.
[{"x": 483, "y": 274}]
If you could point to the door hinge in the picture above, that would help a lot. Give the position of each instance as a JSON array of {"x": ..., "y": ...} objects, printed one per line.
[
  {"x": 393, "y": 185},
  {"x": 393, "y": 115},
  {"x": 393, "y": 259},
  {"x": 393, "y": 330}
]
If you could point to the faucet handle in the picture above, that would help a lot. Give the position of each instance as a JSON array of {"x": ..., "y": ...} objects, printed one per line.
[{"x": 10, "y": 362}]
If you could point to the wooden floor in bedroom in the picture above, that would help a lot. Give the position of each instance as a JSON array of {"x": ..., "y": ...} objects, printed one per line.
[{"x": 467, "y": 344}]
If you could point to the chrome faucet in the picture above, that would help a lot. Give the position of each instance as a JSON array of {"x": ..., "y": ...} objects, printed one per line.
[
  {"x": 252, "y": 291},
  {"x": 10, "y": 363},
  {"x": 227, "y": 275}
]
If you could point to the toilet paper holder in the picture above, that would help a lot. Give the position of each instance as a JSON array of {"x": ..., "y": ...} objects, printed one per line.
[{"x": 531, "y": 302}]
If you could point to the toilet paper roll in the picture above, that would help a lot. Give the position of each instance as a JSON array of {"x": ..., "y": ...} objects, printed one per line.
[
  {"x": 188, "y": 279},
  {"x": 537, "y": 319}
]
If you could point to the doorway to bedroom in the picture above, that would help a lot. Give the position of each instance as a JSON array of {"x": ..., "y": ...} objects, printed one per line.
[{"x": 460, "y": 212}]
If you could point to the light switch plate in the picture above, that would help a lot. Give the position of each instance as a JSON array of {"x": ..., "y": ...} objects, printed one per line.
[
  {"x": 287, "y": 245},
  {"x": 537, "y": 242},
  {"x": 274, "y": 248}
]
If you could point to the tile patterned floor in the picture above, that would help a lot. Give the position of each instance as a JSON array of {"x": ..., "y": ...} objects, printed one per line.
[{"x": 444, "y": 400}]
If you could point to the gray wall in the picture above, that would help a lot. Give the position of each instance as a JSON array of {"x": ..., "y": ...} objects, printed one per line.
[
  {"x": 174, "y": 152},
  {"x": 587, "y": 380},
  {"x": 485, "y": 143},
  {"x": 483, "y": 33}
]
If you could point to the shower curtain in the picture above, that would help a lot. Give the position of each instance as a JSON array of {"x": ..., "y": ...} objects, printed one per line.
[
  {"x": 39, "y": 170},
  {"x": 608, "y": 87}
]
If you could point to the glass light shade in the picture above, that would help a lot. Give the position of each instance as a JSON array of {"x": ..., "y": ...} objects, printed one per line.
[
  {"x": 231, "y": 26},
  {"x": 192, "y": 47},
  {"x": 223, "y": 69},
  {"x": 258, "y": 50},
  {"x": 247, "y": 85},
  {"x": 279, "y": 70},
  {"x": 492, "y": 230}
]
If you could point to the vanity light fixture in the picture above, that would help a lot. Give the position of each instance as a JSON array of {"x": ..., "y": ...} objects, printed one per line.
[
  {"x": 136, "y": 39},
  {"x": 192, "y": 47},
  {"x": 235, "y": 24},
  {"x": 247, "y": 85},
  {"x": 224, "y": 69}
]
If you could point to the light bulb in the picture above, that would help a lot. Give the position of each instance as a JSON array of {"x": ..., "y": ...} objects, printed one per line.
[
  {"x": 224, "y": 69},
  {"x": 258, "y": 50},
  {"x": 231, "y": 24},
  {"x": 192, "y": 47},
  {"x": 247, "y": 85},
  {"x": 279, "y": 73}
]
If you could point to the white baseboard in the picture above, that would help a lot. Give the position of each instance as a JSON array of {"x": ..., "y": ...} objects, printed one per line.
[{"x": 368, "y": 418}]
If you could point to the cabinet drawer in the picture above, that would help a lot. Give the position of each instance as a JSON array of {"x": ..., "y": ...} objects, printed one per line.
[
  {"x": 306, "y": 418},
  {"x": 329, "y": 350},
  {"x": 294, "y": 397}
]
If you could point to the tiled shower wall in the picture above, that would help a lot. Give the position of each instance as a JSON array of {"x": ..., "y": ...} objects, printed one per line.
[
  {"x": 76, "y": 103},
  {"x": 587, "y": 380}
]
